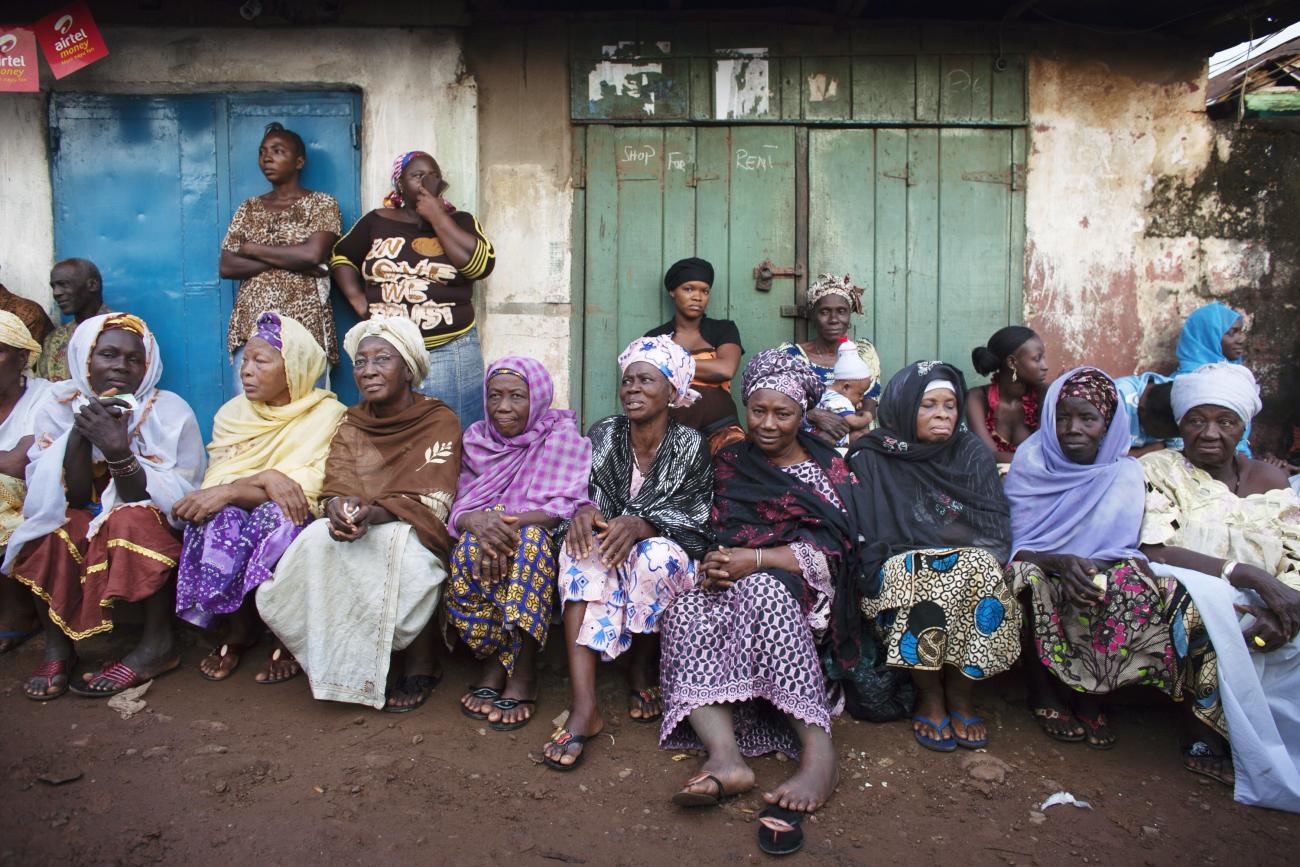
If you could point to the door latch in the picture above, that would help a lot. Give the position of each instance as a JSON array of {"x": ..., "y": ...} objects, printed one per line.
[{"x": 765, "y": 272}]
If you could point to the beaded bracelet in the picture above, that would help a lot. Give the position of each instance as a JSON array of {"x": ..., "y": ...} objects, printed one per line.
[{"x": 119, "y": 472}]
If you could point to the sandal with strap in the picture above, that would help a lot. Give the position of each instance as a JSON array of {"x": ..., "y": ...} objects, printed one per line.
[
  {"x": 779, "y": 831},
  {"x": 645, "y": 697},
  {"x": 1046, "y": 715},
  {"x": 422, "y": 685},
  {"x": 939, "y": 745},
  {"x": 968, "y": 743},
  {"x": 504, "y": 704},
  {"x": 221, "y": 654},
  {"x": 1203, "y": 761},
  {"x": 122, "y": 676},
  {"x": 702, "y": 799},
  {"x": 1097, "y": 727},
  {"x": 276, "y": 655},
  {"x": 482, "y": 693},
  {"x": 562, "y": 738},
  {"x": 51, "y": 669}
]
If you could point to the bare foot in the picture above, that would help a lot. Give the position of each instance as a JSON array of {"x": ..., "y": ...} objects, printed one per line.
[
  {"x": 279, "y": 667},
  {"x": 815, "y": 780}
]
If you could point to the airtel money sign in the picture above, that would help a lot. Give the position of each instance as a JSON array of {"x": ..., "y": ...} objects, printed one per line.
[
  {"x": 18, "y": 72},
  {"x": 70, "y": 39}
]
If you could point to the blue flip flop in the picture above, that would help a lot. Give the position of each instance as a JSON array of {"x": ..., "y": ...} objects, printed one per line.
[
  {"x": 967, "y": 742},
  {"x": 939, "y": 745}
]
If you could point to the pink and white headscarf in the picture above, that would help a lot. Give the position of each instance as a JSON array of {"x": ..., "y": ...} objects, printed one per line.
[{"x": 673, "y": 361}]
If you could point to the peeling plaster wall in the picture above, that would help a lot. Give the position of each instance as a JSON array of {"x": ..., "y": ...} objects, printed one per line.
[{"x": 414, "y": 94}]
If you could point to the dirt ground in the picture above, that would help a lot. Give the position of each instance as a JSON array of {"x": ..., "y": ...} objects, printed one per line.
[{"x": 219, "y": 773}]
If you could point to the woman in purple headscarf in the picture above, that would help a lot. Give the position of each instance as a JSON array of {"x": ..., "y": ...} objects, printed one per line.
[
  {"x": 524, "y": 470},
  {"x": 1100, "y": 619}
]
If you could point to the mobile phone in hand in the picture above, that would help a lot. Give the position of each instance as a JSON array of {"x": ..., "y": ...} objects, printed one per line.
[{"x": 435, "y": 185}]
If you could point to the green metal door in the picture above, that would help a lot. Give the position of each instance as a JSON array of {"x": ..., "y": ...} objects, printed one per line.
[
  {"x": 930, "y": 221},
  {"x": 658, "y": 194}
]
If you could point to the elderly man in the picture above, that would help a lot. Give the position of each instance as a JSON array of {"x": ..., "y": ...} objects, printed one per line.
[{"x": 79, "y": 292}]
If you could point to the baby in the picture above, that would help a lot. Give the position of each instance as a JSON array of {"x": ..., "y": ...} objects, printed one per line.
[{"x": 844, "y": 397}]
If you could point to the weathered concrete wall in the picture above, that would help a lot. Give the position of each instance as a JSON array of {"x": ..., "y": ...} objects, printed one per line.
[
  {"x": 415, "y": 94},
  {"x": 527, "y": 195}
]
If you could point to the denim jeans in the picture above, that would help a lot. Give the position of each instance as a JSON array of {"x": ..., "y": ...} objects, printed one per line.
[
  {"x": 237, "y": 386},
  {"x": 456, "y": 377}
]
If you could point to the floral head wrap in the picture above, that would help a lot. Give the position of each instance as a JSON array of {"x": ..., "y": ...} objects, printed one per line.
[
  {"x": 829, "y": 284},
  {"x": 673, "y": 361},
  {"x": 395, "y": 199},
  {"x": 778, "y": 370},
  {"x": 1090, "y": 384}
]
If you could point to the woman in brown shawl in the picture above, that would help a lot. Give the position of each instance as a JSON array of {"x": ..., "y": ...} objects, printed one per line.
[{"x": 363, "y": 582}]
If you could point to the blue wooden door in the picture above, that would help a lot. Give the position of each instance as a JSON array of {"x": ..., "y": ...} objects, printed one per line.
[{"x": 145, "y": 186}]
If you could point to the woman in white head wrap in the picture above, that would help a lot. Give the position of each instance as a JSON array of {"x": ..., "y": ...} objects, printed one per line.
[
  {"x": 112, "y": 455},
  {"x": 1214, "y": 511},
  {"x": 21, "y": 395}
]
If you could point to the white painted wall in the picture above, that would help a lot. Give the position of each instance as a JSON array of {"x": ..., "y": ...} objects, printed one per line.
[{"x": 414, "y": 95}]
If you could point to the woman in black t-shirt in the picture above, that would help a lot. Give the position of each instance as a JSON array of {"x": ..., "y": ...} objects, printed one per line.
[
  {"x": 715, "y": 345},
  {"x": 419, "y": 257}
]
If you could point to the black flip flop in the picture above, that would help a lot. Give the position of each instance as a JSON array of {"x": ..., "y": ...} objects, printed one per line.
[
  {"x": 702, "y": 799},
  {"x": 778, "y": 840},
  {"x": 510, "y": 704},
  {"x": 415, "y": 684},
  {"x": 482, "y": 693},
  {"x": 562, "y": 738}
]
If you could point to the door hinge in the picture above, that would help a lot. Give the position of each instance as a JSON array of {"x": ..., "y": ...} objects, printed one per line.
[
  {"x": 1013, "y": 177},
  {"x": 356, "y": 136},
  {"x": 905, "y": 177},
  {"x": 694, "y": 180}
]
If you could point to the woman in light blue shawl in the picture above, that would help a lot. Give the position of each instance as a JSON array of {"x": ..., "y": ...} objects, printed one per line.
[{"x": 1213, "y": 333}]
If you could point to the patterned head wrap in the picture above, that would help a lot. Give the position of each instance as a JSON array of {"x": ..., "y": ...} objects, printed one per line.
[
  {"x": 269, "y": 329},
  {"x": 125, "y": 322},
  {"x": 395, "y": 199},
  {"x": 401, "y": 332},
  {"x": 1090, "y": 384},
  {"x": 14, "y": 333},
  {"x": 671, "y": 360},
  {"x": 780, "y": 371},
  {"x": 829, "y": 284},
  {"x": 1231, "y": 386}
]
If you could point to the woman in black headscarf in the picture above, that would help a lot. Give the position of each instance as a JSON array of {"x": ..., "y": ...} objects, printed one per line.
[{"x": 938, "y": 534}]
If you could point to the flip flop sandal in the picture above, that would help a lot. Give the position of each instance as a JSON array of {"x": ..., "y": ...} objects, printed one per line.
[
  {"x": 221, "y": 654},
  {"x": 1045, "y": 715},
  {"x": 1201, "y": 750},
  {"x": 702, "y": 799},
  {"x": 967, "y": 742},
  {"x": 276, "y": 655},
  {"x": 647, "y": 695},
  {"x": 122, "y": 676},
  {"x": 1094, "y": 727},
  {"x": 779, "y": 831},
  {"x": 19, "y": 638},
  {"x": 504, "y": 704},
  {"x": 482, "y": 693},
  {"x": 939, "y": 745},
  {"x": 50, "y": 669},
  {"x": 421, "y": 684},
  {"x": 562, "y": 738}
]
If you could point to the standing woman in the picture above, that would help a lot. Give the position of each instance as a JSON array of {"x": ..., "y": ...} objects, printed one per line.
[
  {"x": 715, "y": 346},
  {"x": 418, "y": 257},
  {"x": 832, "y": 301},
  {"x": 628, "y": 556},
  {"x": 1005, "y": 412},
  {"x": 113, "y": 454},
  {"x": 267, "y": 462},
  {"x": 938, "y": 533},
  {"x": 277, "y": 246},
  {"x": 21, "y": 395}
]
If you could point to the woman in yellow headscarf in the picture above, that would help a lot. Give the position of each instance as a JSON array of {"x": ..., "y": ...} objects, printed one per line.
[
  {"x": 266, "y": 467},
  {"x": 21, "y": 394}
]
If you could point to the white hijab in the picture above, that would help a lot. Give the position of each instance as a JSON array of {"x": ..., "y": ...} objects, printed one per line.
[
  {"x": 165, "y": 439},
  {"x": 22, "y": 418}
]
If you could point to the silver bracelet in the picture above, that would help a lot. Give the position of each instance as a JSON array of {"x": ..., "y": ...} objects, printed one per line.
[
  {"x": 758, "y": 559},
  {"x": 1226, "y": 572}
]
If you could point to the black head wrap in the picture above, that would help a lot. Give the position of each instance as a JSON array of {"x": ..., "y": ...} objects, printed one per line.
[{"x": 686, "y": 270}]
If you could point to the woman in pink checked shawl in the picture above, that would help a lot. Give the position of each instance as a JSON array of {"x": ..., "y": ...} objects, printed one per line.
[{"x": 524, "y": 472}]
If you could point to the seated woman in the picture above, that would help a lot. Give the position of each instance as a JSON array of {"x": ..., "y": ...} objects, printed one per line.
[
  {"x": 266, "y": 465},
  {"x": 627, "y": 557},
  {"x": 1005, "y": 412},
  {"x": 741, "y": 661},
  {"x": 363, "y": 582},
  {"x": 832, "y": 301},
  {"x": 938, "y": 534},
  {"x": 525, "y": 470},
  {"x": 1213, "y": 334},
  {"x": 1099, "y": 618},
  {"x": 113, "y": 453},
  {"x": 21, "y": 396},
  {"x": 715, "y": 346}
]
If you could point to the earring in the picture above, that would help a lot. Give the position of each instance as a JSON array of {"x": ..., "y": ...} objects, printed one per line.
[{"x": 1014, "y": 376}]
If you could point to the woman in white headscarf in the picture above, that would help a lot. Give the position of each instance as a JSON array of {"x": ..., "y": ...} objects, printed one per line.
[
  {"x": 1211, "y": 510},
  {"x": 113, "y": 454},
  {"x": 21, "y": 395}
]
